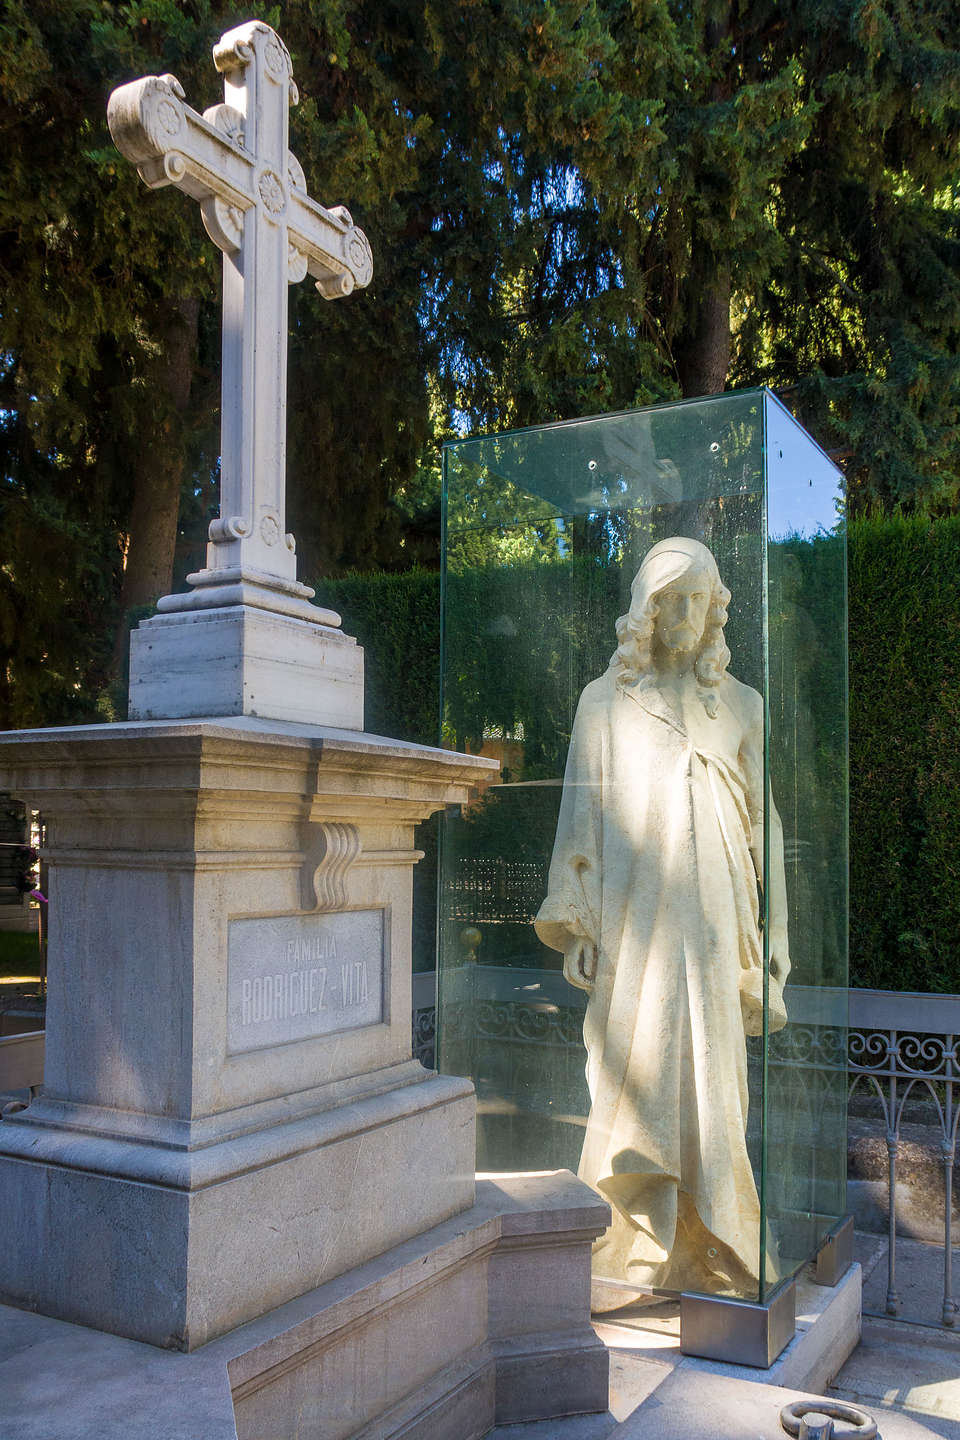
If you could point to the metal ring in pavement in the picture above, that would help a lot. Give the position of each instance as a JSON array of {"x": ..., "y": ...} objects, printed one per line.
[{"x": 863, "y": 1426}]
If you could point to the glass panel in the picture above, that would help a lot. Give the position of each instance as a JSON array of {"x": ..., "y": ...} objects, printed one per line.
[
  {"x": 644, "y": 933},
  {"x": 805, "y": 1160}
]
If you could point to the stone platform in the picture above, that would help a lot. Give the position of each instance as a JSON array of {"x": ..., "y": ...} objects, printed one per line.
[
  {"x": 230, "y": 1110},
  {"x": 828, "y": 1329},
  {"x": 687, "y": 1405},
  {"x": 481, "y": 1321},
  {"x": 657, "y": 1393}
]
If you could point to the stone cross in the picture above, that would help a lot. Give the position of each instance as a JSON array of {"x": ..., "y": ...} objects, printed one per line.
[{"x": 253, "y": 198}]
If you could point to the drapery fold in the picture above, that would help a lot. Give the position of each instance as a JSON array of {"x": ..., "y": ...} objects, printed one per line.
[{"x": 657, "y": 863}]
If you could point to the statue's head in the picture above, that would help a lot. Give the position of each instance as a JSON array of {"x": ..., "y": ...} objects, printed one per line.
[{"x": 679, "y": 602}]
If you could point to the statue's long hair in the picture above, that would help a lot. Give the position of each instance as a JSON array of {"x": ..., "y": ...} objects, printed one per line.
[{"x": 632, "y": 661}]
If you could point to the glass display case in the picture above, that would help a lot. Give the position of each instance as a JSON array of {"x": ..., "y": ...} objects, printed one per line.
[{"x": 643, "y": 926}]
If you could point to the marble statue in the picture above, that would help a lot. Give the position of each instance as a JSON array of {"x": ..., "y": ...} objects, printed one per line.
[{"x": 654, "y": 900}]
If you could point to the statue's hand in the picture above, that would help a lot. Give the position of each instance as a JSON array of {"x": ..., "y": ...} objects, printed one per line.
[
  {"x": 581, "y": 959},
  {"x": 779, "y": 958},
  {"x": 779, "y": 970}
]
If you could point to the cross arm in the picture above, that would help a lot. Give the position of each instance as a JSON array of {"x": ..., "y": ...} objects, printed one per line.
[
  {"x": 335, "y": 251},
  {"x": 171, "y": 144}
]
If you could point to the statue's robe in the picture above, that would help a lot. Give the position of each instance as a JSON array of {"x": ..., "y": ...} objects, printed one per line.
[{"x": 656, "y": 863}]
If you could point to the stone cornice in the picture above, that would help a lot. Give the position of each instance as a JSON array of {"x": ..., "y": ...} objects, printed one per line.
[{"x": 226, "y": 764}]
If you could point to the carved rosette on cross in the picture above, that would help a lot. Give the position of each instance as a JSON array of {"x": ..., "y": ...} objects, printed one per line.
[{"x": 234, "y": 159}]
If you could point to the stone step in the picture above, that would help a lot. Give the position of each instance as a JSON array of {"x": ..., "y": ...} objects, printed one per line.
[{"x": 695, "y": 1405}]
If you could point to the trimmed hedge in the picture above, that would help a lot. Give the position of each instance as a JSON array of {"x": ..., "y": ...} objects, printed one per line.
[
  {"x": 904, "y": 596},
  {"x": 904, "y": 605},
  {"x": 396, "y": 618}
]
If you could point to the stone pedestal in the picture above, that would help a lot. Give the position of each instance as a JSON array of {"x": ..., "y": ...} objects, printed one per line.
[
  {"x": 244, "y": 659},
  {"x": 231, "y": 1115},
  {"x": 483, "y": 1320}
]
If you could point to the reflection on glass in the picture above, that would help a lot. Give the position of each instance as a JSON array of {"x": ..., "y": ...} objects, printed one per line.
[
  {"x": 654, "y": 900},
  {"x": 802, "y": 482},
  {"x": 545, "y": 531}
]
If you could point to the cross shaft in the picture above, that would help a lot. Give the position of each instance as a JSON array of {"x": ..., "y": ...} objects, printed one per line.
[{"x": 234, "y": 159}]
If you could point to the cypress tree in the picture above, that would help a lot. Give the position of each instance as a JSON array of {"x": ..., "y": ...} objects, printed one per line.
[{"x": 574, "y": 207}]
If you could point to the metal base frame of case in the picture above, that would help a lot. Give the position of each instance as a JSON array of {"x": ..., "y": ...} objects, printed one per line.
[
  {"x": 739, "y": 1332},
  {"x": 835, "y": 1255},
  {"x": 742, "y": 1332}
]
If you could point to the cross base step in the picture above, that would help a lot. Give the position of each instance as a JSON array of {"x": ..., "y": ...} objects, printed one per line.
[{"x": 244, "y": 660}]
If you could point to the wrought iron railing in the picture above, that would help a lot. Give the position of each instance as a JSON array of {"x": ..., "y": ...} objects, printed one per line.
[
  {"x": 900, "y": 1049},
  {"x": 903, "y": 1050},
  {"x": 425, "y": 1018}
]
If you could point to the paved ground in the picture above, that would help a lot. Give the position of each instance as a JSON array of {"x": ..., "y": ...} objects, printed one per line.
[
  {"x": 905, "y": 1369},
  {"x": 909, "y": 1365},
  {"x": 905, "y": 1373},
  {"x": 918, "y": 1278}
]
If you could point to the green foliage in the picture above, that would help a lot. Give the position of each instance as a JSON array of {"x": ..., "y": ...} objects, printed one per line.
[
  {"x": 522, "y": 641},
  {"x": 574, "y": 207},
  {"x": 905, "y": 762},
  {"x": 87, "y": 282},
  {"x": 528, "y": 636},
  {"x": 396, "y": 618},
  {"x": 860, "y": 314},
  {"x": 19, "y": 954}
]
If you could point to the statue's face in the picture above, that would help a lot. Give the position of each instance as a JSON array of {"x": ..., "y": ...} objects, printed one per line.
[{"x": 682, "y": 611}]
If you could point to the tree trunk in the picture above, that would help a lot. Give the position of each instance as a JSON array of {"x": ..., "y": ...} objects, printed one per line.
[
  {"x": 152, "y": 536},
  {"x": 702, "y": 351},
  {"x": 703, "y": 347}
]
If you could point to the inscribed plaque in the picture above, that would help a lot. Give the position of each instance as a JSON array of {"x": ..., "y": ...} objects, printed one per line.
[{"x": 294, "y": 977}]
